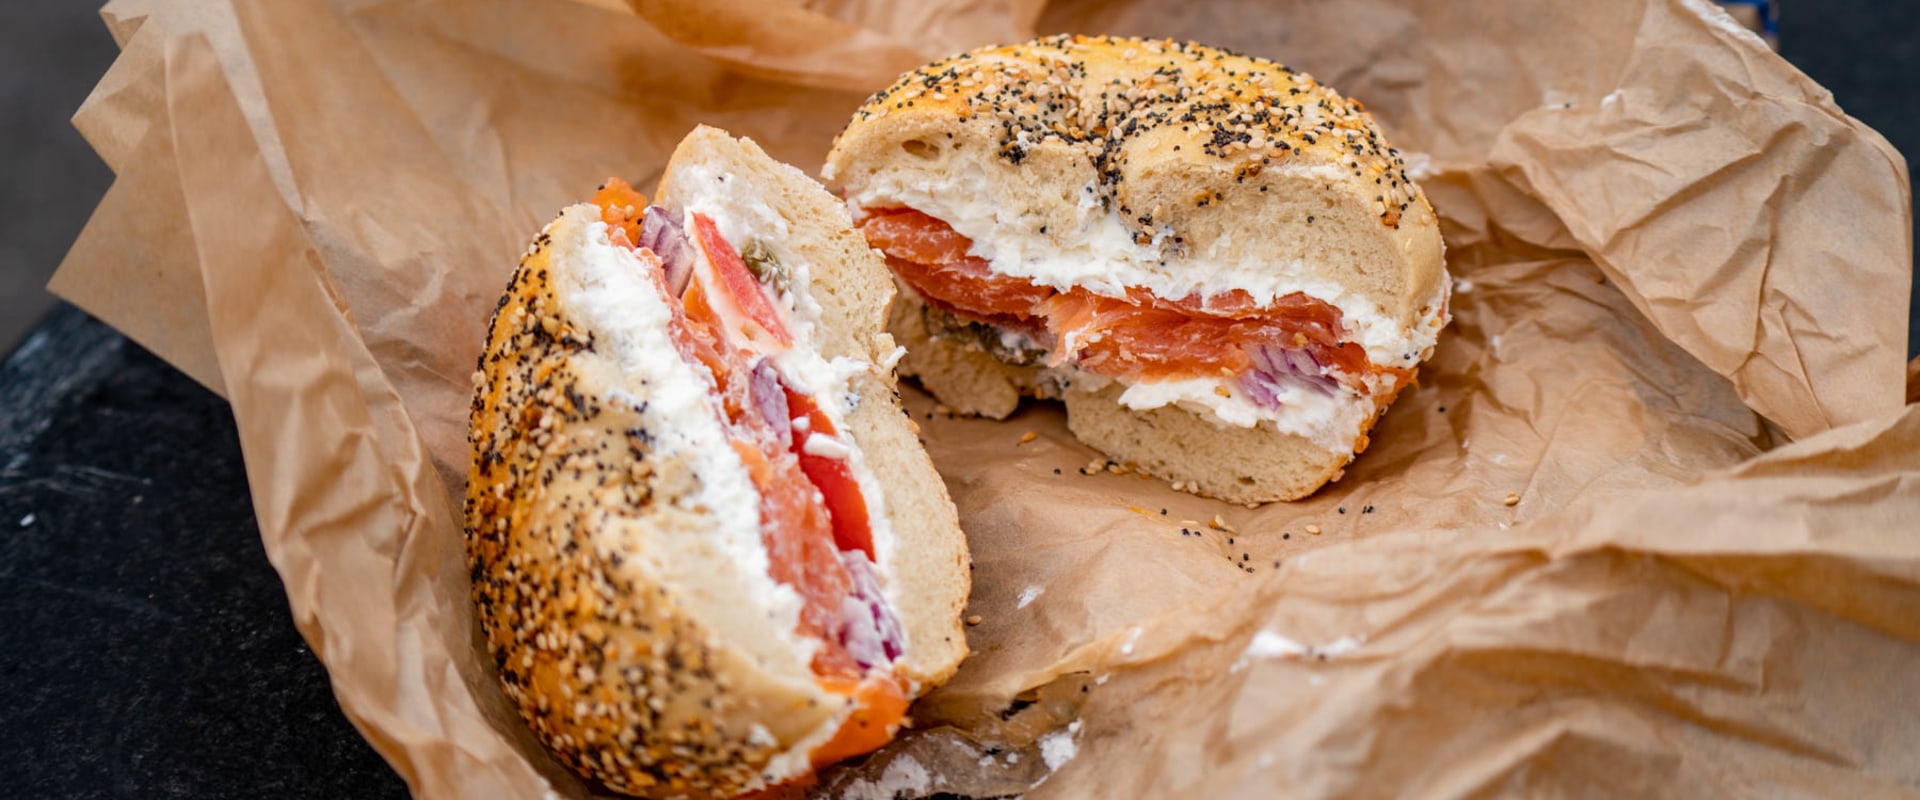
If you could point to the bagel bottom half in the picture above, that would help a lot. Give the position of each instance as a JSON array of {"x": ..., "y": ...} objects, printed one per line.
[{"x": 1238, "y": 464}]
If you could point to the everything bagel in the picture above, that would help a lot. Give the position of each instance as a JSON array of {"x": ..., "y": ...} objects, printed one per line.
[
  {"x": 1220, "y": 265},
  {"x": 708, "y": 553}
]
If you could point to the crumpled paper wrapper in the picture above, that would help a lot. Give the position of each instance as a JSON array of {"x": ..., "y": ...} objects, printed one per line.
[{"x": 1650, "y": 523}]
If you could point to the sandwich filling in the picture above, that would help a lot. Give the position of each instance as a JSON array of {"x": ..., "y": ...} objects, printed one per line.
[
  {"x": 741, "y": 318},
  {"x": 1282, "y": 356}
]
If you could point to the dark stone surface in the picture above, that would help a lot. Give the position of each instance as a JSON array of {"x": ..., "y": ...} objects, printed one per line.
[
  {"x": 51, "y": 53},
  {"x": 147, "y": 649}
]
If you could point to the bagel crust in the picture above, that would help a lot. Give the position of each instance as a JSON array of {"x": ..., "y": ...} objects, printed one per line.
[
  {"x": 614, "y": 676},
  {"x": 1114, "y": 165}
]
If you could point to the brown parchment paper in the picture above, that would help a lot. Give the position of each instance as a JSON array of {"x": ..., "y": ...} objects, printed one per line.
[{"x": 1677, "y": 342}]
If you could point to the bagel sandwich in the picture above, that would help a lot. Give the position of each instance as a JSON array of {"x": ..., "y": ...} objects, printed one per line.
[
  {"x": 708, "y": 553},
  {"x": 1218, "y": 264}
]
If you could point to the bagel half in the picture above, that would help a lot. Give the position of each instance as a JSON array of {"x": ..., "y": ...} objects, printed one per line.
[
  {"x": 1219, "y": 264},
  {"x": 665, "y": 581}
]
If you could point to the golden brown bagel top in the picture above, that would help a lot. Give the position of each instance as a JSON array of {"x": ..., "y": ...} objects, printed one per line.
[
  {"x": 1098, "y": 92},
  {"x": 1202, "y": 153}
]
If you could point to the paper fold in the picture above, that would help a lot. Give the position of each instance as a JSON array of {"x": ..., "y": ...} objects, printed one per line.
[{"x": 1673, "y": 253}]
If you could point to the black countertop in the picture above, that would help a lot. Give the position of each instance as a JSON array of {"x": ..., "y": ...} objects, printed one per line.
[{"x": 147, "y": 649}]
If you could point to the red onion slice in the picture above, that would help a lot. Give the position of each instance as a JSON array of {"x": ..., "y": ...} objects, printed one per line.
[
  {"x": 871, "y": 633},
  {"x": 770, "y": 398},
  {"x": 1260, "y": 388},
  {"x": 1277, "y": 367},
  {"x": 663, "y": 235}
]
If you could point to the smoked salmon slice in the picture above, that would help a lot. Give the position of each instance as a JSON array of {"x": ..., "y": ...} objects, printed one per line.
[
  {"x": 933, "y": 258},
  {"x": 1139, "y": 336}
]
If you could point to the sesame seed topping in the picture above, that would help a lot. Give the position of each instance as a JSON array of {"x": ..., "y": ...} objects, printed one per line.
[{"x": 1235, "y": 108}]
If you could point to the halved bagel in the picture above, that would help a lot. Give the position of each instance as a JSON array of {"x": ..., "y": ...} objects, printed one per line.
[
  {"x": 622, "y": 527},
  {"x": 1022, "y": 191}
]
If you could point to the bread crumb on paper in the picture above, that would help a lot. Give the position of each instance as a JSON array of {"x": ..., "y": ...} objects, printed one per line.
[
  {"x": 1268, "y": 644},
  {"x": 904, "y": 777},
  {"x": 1058, "y": 747}
]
